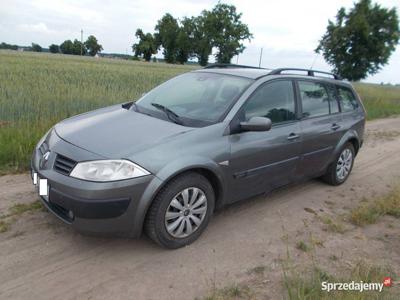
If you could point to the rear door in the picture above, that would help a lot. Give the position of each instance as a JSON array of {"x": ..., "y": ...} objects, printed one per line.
[
  {"x": 321, "y": 126},
  {"x": 261, "y": 161}
]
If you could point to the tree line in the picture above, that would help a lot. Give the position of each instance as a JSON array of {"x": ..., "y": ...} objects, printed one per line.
[
  {"x": 91, "y": 47},
  {"x": 34, "y": 47},
  {"x": 195, "y": 37}
]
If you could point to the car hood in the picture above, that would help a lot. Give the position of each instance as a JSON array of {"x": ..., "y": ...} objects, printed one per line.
[{"x": 114, "y": 132}]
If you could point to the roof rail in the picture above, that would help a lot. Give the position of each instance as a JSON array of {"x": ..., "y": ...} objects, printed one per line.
[
  {"x": 225, "y": 66},
  {"x": 309, "y": 72}
]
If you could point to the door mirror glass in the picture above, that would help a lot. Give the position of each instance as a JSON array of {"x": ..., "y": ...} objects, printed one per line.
[{"x": 256, "y": 124}]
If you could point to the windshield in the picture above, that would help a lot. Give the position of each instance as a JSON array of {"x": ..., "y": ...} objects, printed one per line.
[{"x": 196, "y": 99}]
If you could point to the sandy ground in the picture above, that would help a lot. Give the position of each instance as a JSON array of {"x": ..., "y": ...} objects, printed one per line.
[{"x": 41, "y": 258}]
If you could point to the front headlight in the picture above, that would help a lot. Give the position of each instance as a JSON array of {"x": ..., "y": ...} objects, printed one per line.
[{"x": 107, "y": 170}]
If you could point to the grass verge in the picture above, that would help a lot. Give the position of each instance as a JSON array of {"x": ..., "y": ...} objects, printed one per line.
[
  {"x": 309, "y": 286},
  {"x": 17, "y": 210},
  {"x": 380, "y": 101},
  {"x": 372, "y": 210},
  {"x": 232, "y": 292},
  {"x": 331, "y": 225}
]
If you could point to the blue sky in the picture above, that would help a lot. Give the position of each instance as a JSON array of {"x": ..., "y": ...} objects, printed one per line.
[{"x": 288, "y": 31}]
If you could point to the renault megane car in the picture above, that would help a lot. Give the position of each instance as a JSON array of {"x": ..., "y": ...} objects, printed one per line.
[{"x": 194, "y": 144}]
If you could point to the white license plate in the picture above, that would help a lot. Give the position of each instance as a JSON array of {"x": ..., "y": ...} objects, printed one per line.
[{"x": 42, "y": 185}]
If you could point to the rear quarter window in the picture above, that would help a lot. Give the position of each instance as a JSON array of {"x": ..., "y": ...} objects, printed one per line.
[{"x": 347, "y": 100}]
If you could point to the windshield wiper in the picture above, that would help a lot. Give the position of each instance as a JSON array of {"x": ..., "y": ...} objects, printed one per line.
[{"x": 170, "y": 114}]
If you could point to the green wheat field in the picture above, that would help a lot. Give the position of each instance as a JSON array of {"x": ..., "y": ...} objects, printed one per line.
[{"x": 37, "y": 90}]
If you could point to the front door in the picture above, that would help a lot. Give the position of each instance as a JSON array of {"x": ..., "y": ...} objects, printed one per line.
[{"x": 261, "y": 161}]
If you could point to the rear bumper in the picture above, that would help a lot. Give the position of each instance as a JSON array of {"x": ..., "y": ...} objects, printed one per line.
[{"x": 116, "y": 208}]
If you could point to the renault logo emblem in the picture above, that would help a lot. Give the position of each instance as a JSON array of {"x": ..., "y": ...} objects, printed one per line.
[{"x": 46, "y": 156}]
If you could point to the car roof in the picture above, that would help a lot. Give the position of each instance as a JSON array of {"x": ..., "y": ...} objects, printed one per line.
[
  {"x": 256, "y": 73},
  {"x": 242, "y": 72}
]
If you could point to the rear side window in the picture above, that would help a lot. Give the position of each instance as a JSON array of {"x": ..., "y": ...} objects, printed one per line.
[
  {"x": 274, "y": 100},
  {"x": 314, "y": 98},
  {"x": 347, "y": 100}
]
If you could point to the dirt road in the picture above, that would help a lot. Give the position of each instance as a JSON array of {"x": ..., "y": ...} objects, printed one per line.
[{"x": 41, "y": 258}]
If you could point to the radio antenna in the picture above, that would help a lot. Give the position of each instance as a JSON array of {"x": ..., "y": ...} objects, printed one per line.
[{"x": 315, "y": 58}]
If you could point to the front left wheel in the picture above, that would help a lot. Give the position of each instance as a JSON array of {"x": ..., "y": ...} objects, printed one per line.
[{"x": 180, "y": 211}]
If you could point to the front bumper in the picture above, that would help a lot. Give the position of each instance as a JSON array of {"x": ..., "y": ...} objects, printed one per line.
[{"x": 92, "y": 207}]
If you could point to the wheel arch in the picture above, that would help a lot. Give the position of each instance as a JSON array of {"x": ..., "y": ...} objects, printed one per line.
[
  {"x": 356, "y": 144},
  {"x": 209, "y": 170},
  {"x": 350, "y": 136}
]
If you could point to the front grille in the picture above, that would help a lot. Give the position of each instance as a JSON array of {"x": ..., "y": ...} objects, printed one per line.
[
  {"x": 64, "y": 165},
  {"x": 44, "y": 148}
]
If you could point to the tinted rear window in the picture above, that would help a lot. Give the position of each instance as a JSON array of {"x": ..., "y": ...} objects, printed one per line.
[
  {"x": 314, "y": 98},
  {"x": 347, "y": 99}
]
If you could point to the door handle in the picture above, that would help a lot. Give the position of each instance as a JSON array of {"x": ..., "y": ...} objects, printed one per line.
[
  {"x": 335, "y": 126},
  {"x": 293, "y": 136}
]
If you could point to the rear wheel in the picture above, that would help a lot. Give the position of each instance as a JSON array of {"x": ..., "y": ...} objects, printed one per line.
[
  {"x": 339, "y": 170},
  {"x": 181, "y": 211}
]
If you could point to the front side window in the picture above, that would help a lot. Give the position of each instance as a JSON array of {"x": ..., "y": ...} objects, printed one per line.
[
  {"x": 197, "y": 98},
  {"x": 314, "y": 98},
  {"x": 274, "y": 100},
  {"x": 347, "y": 99}
]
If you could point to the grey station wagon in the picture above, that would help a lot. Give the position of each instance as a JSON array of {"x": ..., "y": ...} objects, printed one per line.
[{"x": 194, "y": 144}]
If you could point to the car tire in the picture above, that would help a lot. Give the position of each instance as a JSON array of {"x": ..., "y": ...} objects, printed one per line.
[
  {"x": 340, "y": 169},
  {"x": 158, "y": 225}
]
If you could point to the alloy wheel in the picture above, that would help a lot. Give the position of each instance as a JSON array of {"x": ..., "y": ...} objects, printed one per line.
[
  {"x": 186, "y": 212},
  {"x": 344, "y": 163}
]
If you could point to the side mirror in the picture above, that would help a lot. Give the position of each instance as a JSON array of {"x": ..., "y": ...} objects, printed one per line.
[
  {"x": 127, "y": 105},
  {"x": 256, "y": 124}
]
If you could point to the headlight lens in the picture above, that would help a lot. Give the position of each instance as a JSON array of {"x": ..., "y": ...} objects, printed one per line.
[{"x": 107, "y": 170}]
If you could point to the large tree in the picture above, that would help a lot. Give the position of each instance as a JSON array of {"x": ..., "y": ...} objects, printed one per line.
[
  {"x": 226, "y": 30},
  {"x": 67, "y": 47},
  {"x": 185, "y": 40},
  {"x": 36, "y": 47},
  {"x": 78, "y": 48},
  {"x": 92, "y": 45},
  {"x": 146, "y": 46},
  {"x": 167, "y": 30},
  {"x": 361, "y": 41},
  {"x": 53, "y": 48},
  {"x": 201, "y": 40}
]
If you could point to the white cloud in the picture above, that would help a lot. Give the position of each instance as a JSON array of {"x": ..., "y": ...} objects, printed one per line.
[
  {"x": 39, "y": 28},
  {"x": 86, "y": 11}
]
